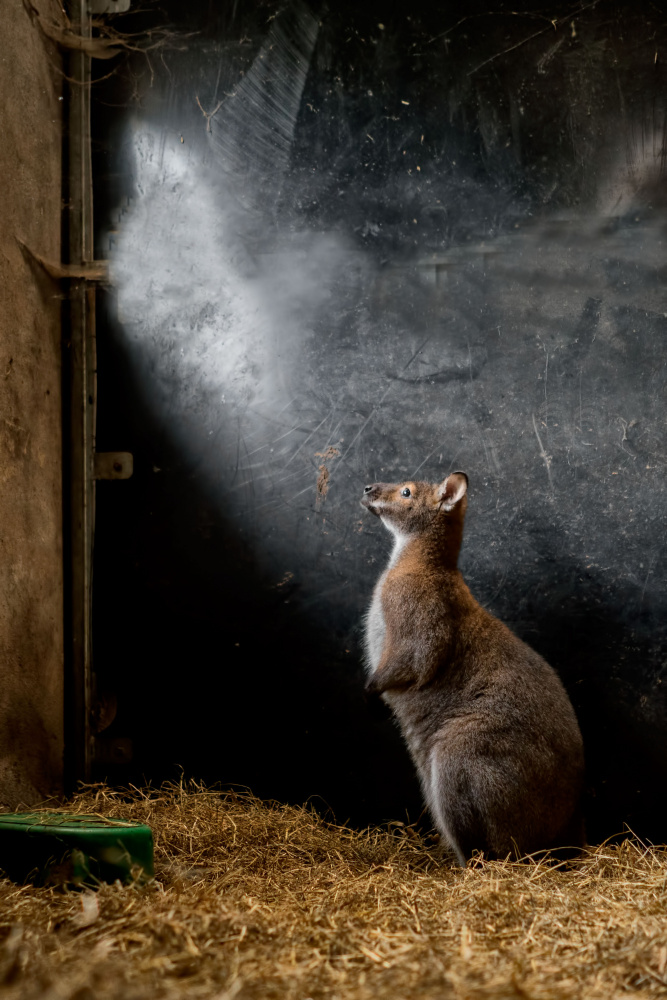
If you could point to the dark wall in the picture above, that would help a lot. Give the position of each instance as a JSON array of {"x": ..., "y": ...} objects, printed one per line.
[{"x": 356, "y": 244}]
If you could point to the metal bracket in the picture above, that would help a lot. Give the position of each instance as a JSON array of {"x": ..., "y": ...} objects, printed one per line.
[
  {"x": 108, "y": 6},
  {"x": 113, "y": 751},
  {"x": 113, "y": 465}
]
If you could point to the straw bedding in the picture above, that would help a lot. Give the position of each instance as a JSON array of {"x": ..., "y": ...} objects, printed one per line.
[{"x": 254, "y": 899}]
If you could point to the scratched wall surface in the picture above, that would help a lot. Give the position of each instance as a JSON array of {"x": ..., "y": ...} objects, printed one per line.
[{"x": 350, "y": 245}]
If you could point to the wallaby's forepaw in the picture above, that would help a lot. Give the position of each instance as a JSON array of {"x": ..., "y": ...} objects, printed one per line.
[{"x": 374, "y": 685}]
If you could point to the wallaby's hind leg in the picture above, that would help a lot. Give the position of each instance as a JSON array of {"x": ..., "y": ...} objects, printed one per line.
[{"x": 455, "y": 813}]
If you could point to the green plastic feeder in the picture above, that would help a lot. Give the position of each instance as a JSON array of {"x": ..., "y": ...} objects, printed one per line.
[{"x": 59, "y": 848}]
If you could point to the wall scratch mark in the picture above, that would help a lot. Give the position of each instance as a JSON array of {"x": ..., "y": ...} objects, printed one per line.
[
  {"x": 437, "y": 448},
  {"x": 624, "y": 438},
  {"x": 543, "y": 455},
  {"x": 382, "y": 399},
  {"x": 304, "y": 443},
  {"x": 650, "y": 570}
]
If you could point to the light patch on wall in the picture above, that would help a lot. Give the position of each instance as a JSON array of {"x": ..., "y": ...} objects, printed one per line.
[{"x": 221, "y": 327}]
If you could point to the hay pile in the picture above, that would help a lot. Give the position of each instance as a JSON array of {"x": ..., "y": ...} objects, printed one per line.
[{"x": 258, "y": 900}]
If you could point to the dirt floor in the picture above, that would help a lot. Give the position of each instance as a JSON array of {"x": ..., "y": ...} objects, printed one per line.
[{"x": 253, "y": 899}]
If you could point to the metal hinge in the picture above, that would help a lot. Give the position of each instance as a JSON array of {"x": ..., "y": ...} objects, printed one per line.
[
  {"x": 113, "y": 465},
  {"x": 113, "y": 751}
]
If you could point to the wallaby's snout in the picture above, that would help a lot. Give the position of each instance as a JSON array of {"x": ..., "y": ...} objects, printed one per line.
[{"x": 371, "y": 493}]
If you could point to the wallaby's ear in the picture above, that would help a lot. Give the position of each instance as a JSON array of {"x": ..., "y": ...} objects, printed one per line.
[{"x": 453, "y": 489}]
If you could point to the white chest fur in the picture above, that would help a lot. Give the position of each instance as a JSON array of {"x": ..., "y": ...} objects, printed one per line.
[{"x": 375, "y": 629}]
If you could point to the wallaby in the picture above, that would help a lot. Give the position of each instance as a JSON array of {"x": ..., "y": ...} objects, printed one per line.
[{"x": 490, "y": 728}]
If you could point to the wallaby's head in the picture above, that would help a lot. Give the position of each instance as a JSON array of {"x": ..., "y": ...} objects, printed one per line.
[{"x": 413, "y": 507}]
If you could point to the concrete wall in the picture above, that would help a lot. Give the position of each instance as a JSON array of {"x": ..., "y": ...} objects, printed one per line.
[{"x": 31, "y": 584}]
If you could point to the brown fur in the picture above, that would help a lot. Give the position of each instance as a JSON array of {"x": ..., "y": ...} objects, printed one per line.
[{"x": 488, "y": 723}]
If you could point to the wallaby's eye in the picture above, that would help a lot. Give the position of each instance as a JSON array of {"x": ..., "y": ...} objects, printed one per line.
[{"x": 405, "y": 492}]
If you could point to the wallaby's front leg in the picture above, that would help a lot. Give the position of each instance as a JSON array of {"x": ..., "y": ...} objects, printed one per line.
[
  {"x": 413, "y": 648},
  {"x": 395, "y": 670},
  {"x": 402, "y": 666}
]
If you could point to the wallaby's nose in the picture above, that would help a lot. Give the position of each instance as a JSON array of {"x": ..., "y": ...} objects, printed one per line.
[{"x": 369, "y": 498}]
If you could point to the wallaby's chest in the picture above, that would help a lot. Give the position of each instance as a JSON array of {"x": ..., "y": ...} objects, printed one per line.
[{"x": 375, "y": 627}]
